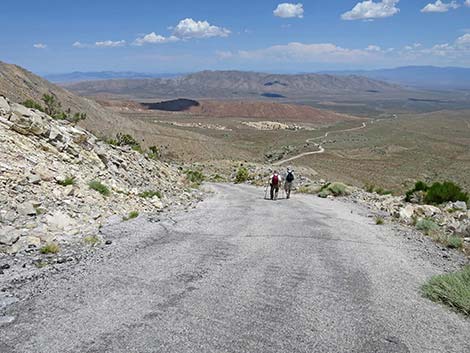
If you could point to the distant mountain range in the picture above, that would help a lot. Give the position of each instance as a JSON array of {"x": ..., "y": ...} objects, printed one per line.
[
  {"x": 79, "y": 76},
  {"x": 234, "y": 84},
  {"x": 430, "y": 77}
]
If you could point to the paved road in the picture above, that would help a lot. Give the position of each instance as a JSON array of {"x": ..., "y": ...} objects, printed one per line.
[{"x": 242, "y": 274}]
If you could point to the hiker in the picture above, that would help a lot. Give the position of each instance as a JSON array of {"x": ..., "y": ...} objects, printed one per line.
[
  {"x": 275, "y": 181},
  {"x": 289, "y": 181}
]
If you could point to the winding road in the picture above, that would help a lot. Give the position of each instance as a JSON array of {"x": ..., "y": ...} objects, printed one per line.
[
  {"x": 242, "y": 274},
  {"x": 321, "y": 148}
]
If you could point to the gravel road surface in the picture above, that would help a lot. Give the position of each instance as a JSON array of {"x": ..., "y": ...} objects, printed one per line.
[{"x": 242, "y": 274}]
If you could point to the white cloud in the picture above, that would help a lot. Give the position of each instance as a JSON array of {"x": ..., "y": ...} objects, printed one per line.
[
  {"x": 40, "y": 46},
  {"x": 374, "y": 48},
  {"x": 467, "y": 3},
  {"x": 440, "y": 6},
  {"x": 367, "y": 10},
  {"x": 110, "y": 44},
  {"x": 463, "y": 40},
  {"x": 188, "y": 28},
  {"x": 100, "y": 44},
  {"x": 153, "y": 38},
  {"x": 288, "y": 10}
]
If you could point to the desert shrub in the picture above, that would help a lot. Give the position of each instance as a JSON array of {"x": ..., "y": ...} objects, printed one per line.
[
  {"x": 426, "y": 225},
  {"x": 454, "y": 242},
  {"x": 446, "y": 192},
  {"x": 419, "y": 186},
  {"x": 131, "y": 215},
  {"x": 70, "y": 180},
  {"x": 195, "y": 176},
  {"x": 369, "y": 187},
  {"x": 338, "y": 189},
  {"x": 242, "y": 175},
  {"x": 324, "y": 193},
  {"x": 150, "y": 194},
  {"x": 154, "y": 152},
  {"x": 53, "y": 107},
  {"x": 217, "y": 178},
  {"x": 29, "y": 103},
  {"x": 99, "y": 187},
  {"x": 382, "y": 191},
  {"x": 379, "y": 221},
  {"x": 451, "y": 289},
  {"x": 50, "y": 248},
  {"x": 91, "y": 240}
]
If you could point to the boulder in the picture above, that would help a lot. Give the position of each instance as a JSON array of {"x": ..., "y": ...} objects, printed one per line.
[
  {"x": 4, "y": 106},
  {"x": 8, "y": 235},
  {"x": 26, "y": 209},
  {"x": 460, "y": 205},
  {"x": 407, "y": 213},
  {"x": 59, "y": 221}
]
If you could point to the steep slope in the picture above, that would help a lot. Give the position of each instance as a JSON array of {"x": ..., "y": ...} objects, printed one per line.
[
  {"x": 19, "y": 85},
  {"x": 46, "y": 166},
  {"x": 234, "y": 84}
]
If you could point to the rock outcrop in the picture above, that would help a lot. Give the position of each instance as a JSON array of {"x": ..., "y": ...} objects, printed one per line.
[{"x": 46, "y": 167}]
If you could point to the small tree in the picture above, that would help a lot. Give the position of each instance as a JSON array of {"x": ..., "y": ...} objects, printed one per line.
[{"x": 52, "y": 105}]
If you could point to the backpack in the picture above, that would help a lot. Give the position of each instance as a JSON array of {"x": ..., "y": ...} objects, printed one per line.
[
  {"x": 290, "y": 177},
  {"x": 275, "y": 180}
]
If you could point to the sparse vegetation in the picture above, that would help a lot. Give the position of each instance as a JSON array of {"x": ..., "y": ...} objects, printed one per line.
[
  {"x": 455, "y": 242},
  {"x": 242, "y": 175},
  {"x": 369, "y": 187},
  {"x": 92, "y": 240},
  {"x": 29, "y": 103},
  {"x": 131, "y": 215},
  {"x": 50, "y": 248},
  {"x": 217, "y": 178},
  {"x": 448, "y": 191},
  {"x": 451, "y": 289},
  {"x": 99, "y": 187},
  {"x": 438, "y": 193},
  {"x": 379, "y": 221},
  {"x": 337, "y": 189},
  {"x": 150, "y": 194},
  {"x": 195, "y": 177},
  {"x": 426, "y": 225},
  {"x": 70, "y": 180}
]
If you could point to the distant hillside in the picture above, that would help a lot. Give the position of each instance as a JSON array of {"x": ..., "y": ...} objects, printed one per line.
[
  {"x": 419, "y": 76},
  {"x": 79, "y": 76},
  {"x": 19, "y": 85},
  {"x": 234, "y": 84},
  {"x": 252, "y": 110}
]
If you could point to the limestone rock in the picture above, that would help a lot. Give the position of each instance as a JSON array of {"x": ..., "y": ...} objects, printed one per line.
[
  {"x": 8, "y": 235},
  {"x": 27, "y": 209}
]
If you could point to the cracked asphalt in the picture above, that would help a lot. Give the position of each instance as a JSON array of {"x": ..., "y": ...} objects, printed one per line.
[{"x": 242, "y": 274}]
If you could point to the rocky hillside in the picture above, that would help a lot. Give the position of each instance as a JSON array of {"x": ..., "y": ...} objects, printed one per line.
[
  {"x": 59, "y": 183},
  {"x": 234, "y": 84},
  {"x": 19, "y": 85}
]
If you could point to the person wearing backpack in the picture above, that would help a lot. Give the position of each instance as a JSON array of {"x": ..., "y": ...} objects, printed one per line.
[
  {"x": 289, "y": 181},
  {"x": 275, "y": 183}
]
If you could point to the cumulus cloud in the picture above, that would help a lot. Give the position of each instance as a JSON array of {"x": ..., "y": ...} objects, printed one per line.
[
  {"x": 189, "y": 28},
  {"x": 467, "y": 3},
  {"x": 368, "y": 10},
  {"x": 40, "y": 46},
  {"x": 375, "y": 48},
  {"x": 463, "y": 40},
  {"x": 153, "y": 38},
  {"x": 288, "y": 10},
  {"x": 440, "y": 6},
  {"x": 110, "y": 44}
]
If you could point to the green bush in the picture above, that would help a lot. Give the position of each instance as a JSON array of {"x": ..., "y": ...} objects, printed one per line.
[
  {"x": 242, "y": 175},
  {"x": 195, "y": 177},
  {"x": 379, "y": 221},
  {"x": 50, "y": 248},
  {"x": 419, "y": 186},
  {"x": 132, "y": 215},
  {"x": 150, "y": 194},
  {"x": 29, "y": 103},
  {"x": 451, "y": 289},
  {"x": 454, "y": 242},
  {"x": 92, "y": 240},
  {"x": 446, "y": 192},
  {"x": 338, "y": 189},
  {"x": 70, "y": 180},
  {"x": 426, "y": 225},
  {"x": 154, "y": 152},
  {"x": 369, "y": 187},
  {"x": 99, "y": 187}
]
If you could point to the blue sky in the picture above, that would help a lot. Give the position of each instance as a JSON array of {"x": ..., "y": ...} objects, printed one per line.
[{"x": 52, "y": 36}]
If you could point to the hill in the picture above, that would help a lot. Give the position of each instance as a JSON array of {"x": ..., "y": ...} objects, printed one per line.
[
  {"x": 19, "y": 85},
  {"x": 234, "y": 84},
  {"x": 419, "y": 76}
]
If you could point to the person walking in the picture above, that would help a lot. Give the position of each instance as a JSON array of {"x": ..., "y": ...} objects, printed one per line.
[
  {"x": 275, "y": 181},
  {"x": 289, "y": 181}
]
